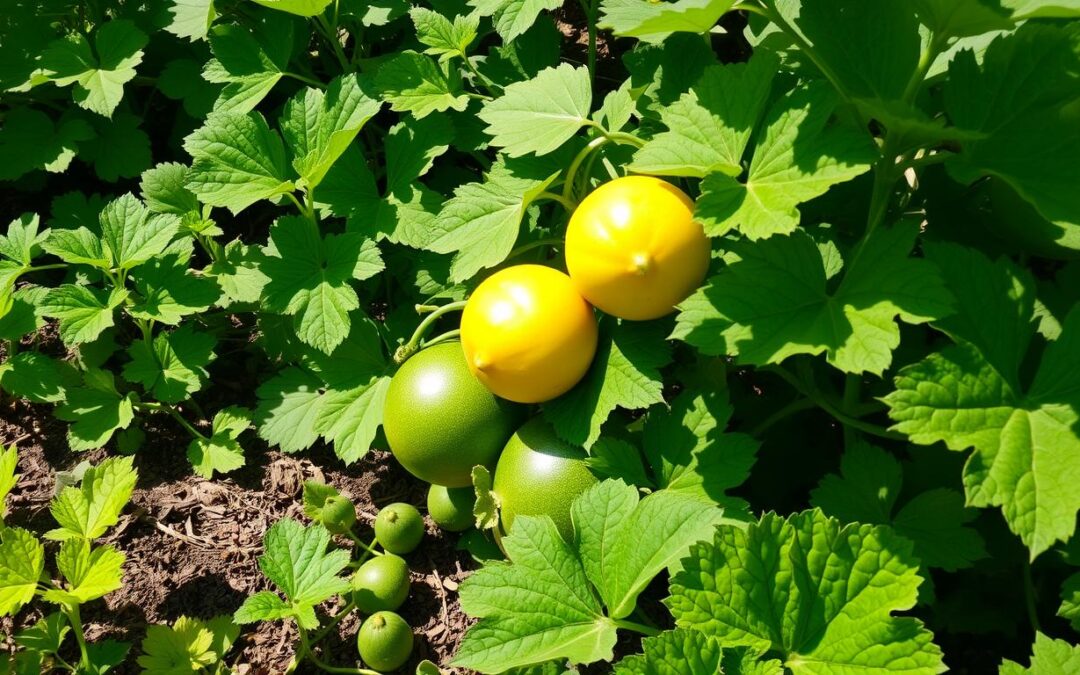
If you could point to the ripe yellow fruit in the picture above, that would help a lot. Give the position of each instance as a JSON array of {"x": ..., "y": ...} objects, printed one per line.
[
  {"x": 633, "y": 248},
  {"x": 528, "y": 335}
]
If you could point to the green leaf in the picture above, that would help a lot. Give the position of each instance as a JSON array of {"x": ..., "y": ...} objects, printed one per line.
[
  {"x": 30, "y": 140},
  {"x": 101, "y": 72},
  {"x": 305, "y": 8},
  {"x": 535, "y": 608},
  {"x": 1049, "y": 657},
  {"x": 239, "y": 160},
  {"x": 105, "y": 655},
  {"x": 415, "y": 83},
  {"x": 78, "y": 247},
  {"x": 237, "y": 272},
  {"x": 184, "y": 647},
  {"x": 798, "y": 155},
  {"x": 191, "y": 19},
  {"x": 481, "y": 222},
  {"x": 22, "y": 562},
  {"x": 540, "y": 115},
  {"x": 710, "y": 126},
  {"x": 248, "y": 64},
  {"x": 221, "y": 452},
  {"x": 168, "y": 291},
  {"x": 46, "y": 636},
  {"x": 22, "y": 317},
  {"x": 934, "y": 520},
  {"x": 131, "y": 234},
  {"x": 263, "y": 606},
  {"x": 182, "y": 80},
  {"x": 288, "y": 409},
  {"x": 868, "y": 50},
  {"x": 349, "y": 418},
  {"x": 84, "y": 312},
  {"x": 310, "y": 278},
  {"x": 690, "y": 454},
  {"x": 624, "y": 543},
  {"x": 969, "y": 396},
  {"x": 1070, "y": 601},
  {"x": 319, "y": 126},
  {"x": 1023, "y": 99},
  {"x": 87, "y": 511},
  {"x": 174, "y": 366},
  {"x": 625, "y": 373},
  {"x": 654, "y": 21},
  {"x": 118, "y": 148},
  {"x": 90, "y": 574},
  {"x": 9, "y": 460},
  {"x": 775, "y": 302},
  {"x": 486, "y": 509},
  {"x": 444, "y": 39},
  {"x": 513, "y": 17},
  {"x": 297, "y": 561},
  {"x": 33, "y": 376},
  {"x": 675, "y": 652},
  {"x": 22, "y": 243},
  {"x": 1031, "y": 9},
  {"x": 164, "y": 189},
  {"x": 819, "y": 594},
  {"x": 962, "y": 18}
]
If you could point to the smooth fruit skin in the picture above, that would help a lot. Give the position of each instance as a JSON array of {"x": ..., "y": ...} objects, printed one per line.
[
  {"x": 527, "y": 333},
  {"x": 384, "y": 641},
  {"x": 440, "y": 421},
  {"x": 634, "y": 250},
  {"x": 381, "y": 584},
  {"x": 399, "y": 528},
  {"x": 451, "y": 508},
  {"x": 338, "y": 515},
  {"x": 540, "y": 474}
]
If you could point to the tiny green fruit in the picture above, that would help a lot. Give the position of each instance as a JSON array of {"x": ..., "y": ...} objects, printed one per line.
[
  {"x": 384, "y": 641},
  {"x": 381, "y": 584},
  {"x": 451, "y": 508},
  {"x": 399, "y": 528},
  {"x": 338, "y": 515}
]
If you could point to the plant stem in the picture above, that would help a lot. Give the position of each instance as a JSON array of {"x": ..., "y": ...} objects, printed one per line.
[
  {"x": 637, "y": 627},
  {"x": 926, "y": 60},
  {"x": 624, "y": 138},
  {"x": 575, "y": 164},
  {"x": 359, "y": 542},
  {"x": 1029, "y": 597},
  {"x": 852, "y": 391},
  {"x": 590, "y": 17},
  {"x": 795, "y": 406},
  {"x": 413, "y": 345},
  {"x": 305, "y": 647},
  {"x": 925, "y": 160},
  {"x": 54, "y": 266},
  {"x": 330, "y": 33},
  {"x": 306, "y": 80},
  {"x": 334, "y": 620},
  {"x": 75, "y": 620},
  {"x": 175, "y": 414},
  {"x": 567, "y": 204},
  {"x": 299, "y": 207},
  {"x": 484, "y": 80},
  {"x": 811, "y": 392},
  {"x": 448, "y": 335},
  {"x": 534, "y": 244}
]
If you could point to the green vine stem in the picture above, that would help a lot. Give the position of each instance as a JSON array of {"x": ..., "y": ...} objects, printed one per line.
[
  {"x": 334, "y": 620},
  {"x": 443, "y": 337},
  {"x": 568, "y": 204},
  {"x": 525, "y": 248},
  {"x": 75, "y": 620},
  {"x": 798, "y": 405},
  {"x": 413, "y": 345},
  {"x": 360, "y": 544},
  {"x": 575, "y": 164},
  {"x": 306, "y": 652},
  {"x": 810, "y": 391},
  {"x": 637, "y": 627},
  {"x": 590, "y": 6}
]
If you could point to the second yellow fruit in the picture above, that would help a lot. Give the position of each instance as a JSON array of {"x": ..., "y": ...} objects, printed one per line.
[
  {"x": 527, "y": 333},
  {"x": 633, "y": 248}
]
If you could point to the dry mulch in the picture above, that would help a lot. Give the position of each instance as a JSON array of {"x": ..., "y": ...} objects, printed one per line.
[{"x": 192, "y": 545}]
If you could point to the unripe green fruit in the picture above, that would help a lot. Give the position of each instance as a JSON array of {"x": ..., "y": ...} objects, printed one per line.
[
  {"x": 384, "y": 641},
  {"x": 451, "y": 508},
  {"x": 338, "y": 515},
  {"x": 399, "y": 528},
  {"x": 381, "y": 584}
]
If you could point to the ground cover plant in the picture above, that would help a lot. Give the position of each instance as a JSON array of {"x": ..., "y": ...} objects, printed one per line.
[{"x": 709, "y": 335}]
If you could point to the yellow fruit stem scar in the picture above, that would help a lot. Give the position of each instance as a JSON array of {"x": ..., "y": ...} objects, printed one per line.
[{"x": 640, "y": 263}]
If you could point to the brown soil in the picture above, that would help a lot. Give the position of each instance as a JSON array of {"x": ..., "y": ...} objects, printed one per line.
[{"x": 192, "y": 545}]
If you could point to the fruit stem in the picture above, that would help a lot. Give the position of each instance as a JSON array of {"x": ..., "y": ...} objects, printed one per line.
[
  {"x": 443, "y": 337},
  {"x": 356, "y": 540},
  {"x": 305, "y": 648},
  {"x": 334, "y": 620},
  {"x": 637, "y": 627},
  {"x": 413, "y": 345}
]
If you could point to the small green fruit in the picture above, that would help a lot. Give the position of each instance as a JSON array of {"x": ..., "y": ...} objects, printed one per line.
[
  {"x": 399, "y": 528},
  {"x": 384, "y": 641},
  {"x": 451, "y": 508},
  {"x": 381, "y": 584},
  {"x": 338, "y": 515}
]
